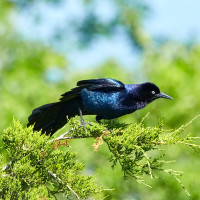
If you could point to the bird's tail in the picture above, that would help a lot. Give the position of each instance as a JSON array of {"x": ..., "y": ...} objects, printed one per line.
[{"x": 51, "y": 117}]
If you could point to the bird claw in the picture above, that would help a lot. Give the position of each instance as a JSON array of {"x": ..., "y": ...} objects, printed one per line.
[
  {"x": 82, "y": 121},
  {"x": 83, "y": 124},
  {"x": 98, "y": 120}
]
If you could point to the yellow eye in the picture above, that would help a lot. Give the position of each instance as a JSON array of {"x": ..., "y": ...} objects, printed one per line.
[{"x": 153, "y": 92}]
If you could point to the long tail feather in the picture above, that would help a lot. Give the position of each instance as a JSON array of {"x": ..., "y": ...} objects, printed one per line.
[{"x": 51, "y": 117}]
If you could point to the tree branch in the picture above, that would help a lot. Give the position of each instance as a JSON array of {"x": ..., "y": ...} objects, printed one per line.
[
  {"x": 63, "y": 136},
  {"x": 60, "y": 180}
]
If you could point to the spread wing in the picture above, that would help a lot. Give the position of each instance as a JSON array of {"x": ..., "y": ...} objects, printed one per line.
[{"x": 104, "y": 85}]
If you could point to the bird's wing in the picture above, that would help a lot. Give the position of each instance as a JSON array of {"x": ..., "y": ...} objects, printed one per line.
[{"x": 104, "y": 84}]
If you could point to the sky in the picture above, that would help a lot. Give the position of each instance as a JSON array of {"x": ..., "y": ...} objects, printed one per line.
[{"x": 173, "y": 19}]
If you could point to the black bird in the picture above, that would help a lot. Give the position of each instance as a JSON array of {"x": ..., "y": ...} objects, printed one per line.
[{"x": 106, "y": 98}]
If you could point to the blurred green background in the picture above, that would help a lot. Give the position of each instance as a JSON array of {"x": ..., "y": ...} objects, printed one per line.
[{"x": 47, "y": 46}]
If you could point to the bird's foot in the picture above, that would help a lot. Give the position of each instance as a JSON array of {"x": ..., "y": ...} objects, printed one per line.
[
  {"x": 83, "y": 123},
  {"x": 82, "y": 120},
  {"x": 107, "y": 131},
  {"x": 98, "y": 119}
]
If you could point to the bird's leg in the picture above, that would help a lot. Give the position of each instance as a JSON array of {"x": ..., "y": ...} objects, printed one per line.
[
  {"x": 82, "y": 120},
  {"x": 98, "y": 119}
]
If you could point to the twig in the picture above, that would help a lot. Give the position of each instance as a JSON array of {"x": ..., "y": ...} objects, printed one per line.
[
  {"x": 62, "y": 137},
  {"x": 5, "y": 175},
  {"x": 181, "y": 128},
  {"x": 144, "y": 117},
  {"x": 108, "y": 189},
  {"x": 193, "y": 138},
  {"x": 142, "y": 182},
  {"x": 178, "y": 180},
  {"x": 178, "y": 173},
  {"x": 7, "y": 166},
  {"x": 189, "y": 144},
  {"x": 192, "y": 120},
  {"x": 107, "y": 195},
  {"x": 147, "y": 158},
  {"x": 148, "y": 163},
  {"x": 150, "y": 172},
  {"x": 60, "y": 180},
  {"x": 69, "y": 138}
]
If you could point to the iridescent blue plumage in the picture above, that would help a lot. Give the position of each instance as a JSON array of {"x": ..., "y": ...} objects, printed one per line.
[
  {"x": 106, "y": 105},
  {"x": 105, "y": 98},
  {"x": 113, "y": 104}
]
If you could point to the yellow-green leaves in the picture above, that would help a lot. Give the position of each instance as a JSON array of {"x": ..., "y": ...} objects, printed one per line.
[{"x": 36, "y": 167}]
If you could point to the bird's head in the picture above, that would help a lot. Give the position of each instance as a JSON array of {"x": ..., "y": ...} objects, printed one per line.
[{"x": 149, "y": 92}]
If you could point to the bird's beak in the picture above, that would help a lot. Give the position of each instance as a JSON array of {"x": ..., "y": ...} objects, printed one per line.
[{"x": 163, "y": 95}]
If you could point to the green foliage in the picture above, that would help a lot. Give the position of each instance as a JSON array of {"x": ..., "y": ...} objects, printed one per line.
[
  {"x": 37, "y": 168},
  {"x": 136, "y": 148},
  {"x": 175, "y": 69}
]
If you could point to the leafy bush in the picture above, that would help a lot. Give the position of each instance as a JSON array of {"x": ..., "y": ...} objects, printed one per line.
[{"x": 38, "y": 166}]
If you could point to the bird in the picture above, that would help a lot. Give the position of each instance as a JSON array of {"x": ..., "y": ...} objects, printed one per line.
[{"x": 105, "y": 97}]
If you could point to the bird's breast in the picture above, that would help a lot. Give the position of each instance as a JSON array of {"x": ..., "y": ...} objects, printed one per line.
[{"x": 106, "y": 105}]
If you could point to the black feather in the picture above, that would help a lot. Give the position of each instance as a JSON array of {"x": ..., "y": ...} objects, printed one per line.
[
  {"x": 51, "y": 117},
  {"x": 106, "y": 85}
]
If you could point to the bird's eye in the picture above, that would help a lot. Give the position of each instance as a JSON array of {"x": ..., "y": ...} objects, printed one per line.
[{"x": 153, "y": 92}]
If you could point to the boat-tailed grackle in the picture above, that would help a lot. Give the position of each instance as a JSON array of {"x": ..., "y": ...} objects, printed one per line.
[{"x": 106, "y": 98}]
